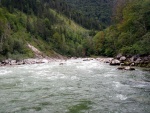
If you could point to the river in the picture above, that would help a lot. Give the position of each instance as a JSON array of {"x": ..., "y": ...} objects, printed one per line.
[{"x": 77, "y": 86}]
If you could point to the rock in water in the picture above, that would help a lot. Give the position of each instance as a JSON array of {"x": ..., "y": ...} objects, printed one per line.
[
  {"x": 115, "y": 62},
  {"x": 129, "y": 68},
  {"x": 121, "y": 68},
  {"x": 61, "y": 63}
]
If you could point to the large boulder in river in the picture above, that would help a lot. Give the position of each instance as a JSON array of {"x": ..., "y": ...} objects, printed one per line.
[{"x": 114, "y": 62}]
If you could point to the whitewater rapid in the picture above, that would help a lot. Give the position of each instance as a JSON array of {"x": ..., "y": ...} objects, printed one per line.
[{"x": 73, "y": 86}]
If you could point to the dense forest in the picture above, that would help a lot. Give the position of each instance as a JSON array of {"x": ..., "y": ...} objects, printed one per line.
[
  {"x": 63, "y": 7},
  {"x": 34, "y": 22},
  {"x": 130, "y": 32},
  {"x": 64, "y": 27},
  {"x": 97, "y": 10}
]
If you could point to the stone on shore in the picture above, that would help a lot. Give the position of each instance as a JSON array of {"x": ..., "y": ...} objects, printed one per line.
[
  {"x": 123, "y": 58},
  {"x": 135, "y": 60}
]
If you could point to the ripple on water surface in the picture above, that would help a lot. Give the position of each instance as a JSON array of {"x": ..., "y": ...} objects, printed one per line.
[{"x": 77, "y": 86}]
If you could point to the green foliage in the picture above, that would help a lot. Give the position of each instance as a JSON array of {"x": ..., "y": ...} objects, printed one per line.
[
  {"x": 131, "y": 34},
  {"x": 32, "y": 21},
  {"x": 48, "y": 32},
  {"x": 88, "y": 13},
  {"x": 94, "y": 10},
  {"x": 99, "y": 41}
]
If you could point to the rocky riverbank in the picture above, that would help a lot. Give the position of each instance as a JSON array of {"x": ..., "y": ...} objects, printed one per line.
[
  {"x": 39, "y": 57},
  {"x": 10, "y": 62},
  {"x": 124, "y": 62},
  {"x": 136, "y": 60}
]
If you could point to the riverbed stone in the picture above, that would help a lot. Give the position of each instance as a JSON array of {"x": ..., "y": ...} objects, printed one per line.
[
  {"x": 121, "y": 68},
  {"x": 115, "y": 62},
  {"x": 129, "y": 68},
  {"x": 13, "y": 62},
  {"x": 123, "y": 58}
]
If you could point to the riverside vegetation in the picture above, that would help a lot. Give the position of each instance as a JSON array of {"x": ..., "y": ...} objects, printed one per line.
[{"x": 63, "y": 27}]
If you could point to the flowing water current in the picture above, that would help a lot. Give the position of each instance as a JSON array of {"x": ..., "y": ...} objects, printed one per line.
[{"x": 77, "y": 86}]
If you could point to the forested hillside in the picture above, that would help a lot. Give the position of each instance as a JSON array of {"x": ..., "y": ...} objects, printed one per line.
[
  {"x": 34, "y": 22},
  {"x": 130, "y": 34},
  {"x": 55, "y": 26},
  {"x": 97, "y": 10},
  {"x": 37, "y": 6}
]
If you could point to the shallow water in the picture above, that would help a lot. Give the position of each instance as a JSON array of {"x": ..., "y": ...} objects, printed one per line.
[{"x": 77, "y": 86}]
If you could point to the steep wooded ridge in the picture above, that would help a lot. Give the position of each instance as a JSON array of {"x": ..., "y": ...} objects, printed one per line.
[
  {"x": 63, "y": 7},
  {"x": 23, "y": 22},
  {"x": 55, "y": 26},
  {"x": 130, "y": 34},
  {"x": 97, "y": 10}
]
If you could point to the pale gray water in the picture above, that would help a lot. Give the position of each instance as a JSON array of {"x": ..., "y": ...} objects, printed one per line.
[{"x": 75, "y": 87}]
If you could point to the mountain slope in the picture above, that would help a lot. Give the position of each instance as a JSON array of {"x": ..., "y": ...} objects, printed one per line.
[
  {"x": 50, "y": 33},
  {"x": 51, "y": 27},
  {"x": 37, "y": 7},
  {"x": 99, "y": 10},
  {"x": 131, "y": 33}
]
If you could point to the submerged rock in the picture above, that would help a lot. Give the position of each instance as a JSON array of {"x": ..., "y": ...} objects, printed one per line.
[
  {"x": 86, "y": 60},
  {"x": 121, "y": 68},
  {"x": 61, "y": 63},
  {"x": 126, "y": 68},
  {"x": 129, "y": 68}
]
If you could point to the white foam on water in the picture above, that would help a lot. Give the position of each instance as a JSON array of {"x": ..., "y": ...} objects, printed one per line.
[
  {"x": 25, "y": 67},
  {"x": 40, "y": 73},
  {"x": 108, "y": 75},
  {"x": 93, "y": 65},
  {"x": 56, "y": 75},
  {"x": 90, "y": 71},
  {"x": 70, "y": 88},
  {"x": 74, "y": 78},
  {"x": 87, "y": 64},
  {"x": 139, "y": 86},
  {"x": 62, "y": 88},
  {"x": 117, "y": 84},
  {"x": 42, "y": 67},
  {"x": 121, "y": 97},
  {"x": 63, "y": 76},
  {"x": 22, "y": 79},
  {"x": 4, "y": 72},
  {"x": 31, "y": 71},
  {"x": 81, "y": 67},
  {"x": 52, "y": 78}
]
